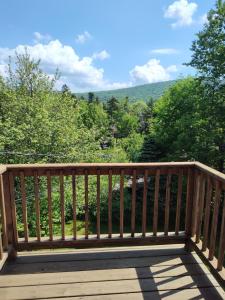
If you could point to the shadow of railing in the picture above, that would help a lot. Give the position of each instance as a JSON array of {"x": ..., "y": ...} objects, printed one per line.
[{"x": 129, "y": 274}]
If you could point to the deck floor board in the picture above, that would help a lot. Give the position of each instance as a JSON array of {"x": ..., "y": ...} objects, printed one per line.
[{"x": 116, "y": 273}]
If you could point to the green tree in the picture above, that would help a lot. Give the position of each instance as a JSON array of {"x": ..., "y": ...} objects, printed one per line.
[{"x": 208, "y": 57}]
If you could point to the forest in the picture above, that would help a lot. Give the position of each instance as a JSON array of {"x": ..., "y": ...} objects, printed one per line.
[{"x": 39, "y": 124}]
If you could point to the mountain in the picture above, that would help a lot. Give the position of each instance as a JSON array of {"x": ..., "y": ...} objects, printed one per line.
[{"x": 154, "y": 90}]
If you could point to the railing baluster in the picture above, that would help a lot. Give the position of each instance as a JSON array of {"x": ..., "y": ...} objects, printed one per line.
[
  {"x": 212, "y": 243},
  {"x": 37, "y": 205},
  {"x": 62, "y": 204},
  {"x": 74, "y": 204},
  {"x": 222, "y": 241},
  {"x": 110, "y": 205},
  {"x": 121, "y": 202},
  {"x": 1, "y": 246},
  {"x": 200, "y": 209},
  {"x": 86, "y": 204},
  {"x": 3, "y": 215},
  {"x": 207, "y": 214},
  {"x": 98, "y": 205},
  {"x": 179, "y": 196},
  {"x": 133, "y": 203},
  {"x": 196, "y": 203},
  {"x": 49, "y": 187},
  {"x": 13, "y": 206},
  {"x": 167, "y": 204},
  {"x": 189, "y": 202},
  {"x": 156, "y": 203},
  {"x": 24, "y": 205},
  {"x": 144, "y": 206}
]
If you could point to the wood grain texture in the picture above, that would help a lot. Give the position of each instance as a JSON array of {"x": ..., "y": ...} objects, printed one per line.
[
  {"x": 86, "y": 206},
  {"x": 212, "y": 243},
  {"x": 144, "y": 204},
  {"x": 74, "y": 204},
  {"x": 133, "y": 203},
  {"x": 98, "y": 205},
  {"x": 221, "y": 251},
  {"x": 49, "y": 194},
  {"x": 167, "y": 204},
  {"x": 3, "y": 215},
  {"x": 156, "y": 203},
  {"x": 207, "y": 214},
  {"x": 110, "y": 204},
  {"x": 62, "y": 204},
  {"x": 179, "y": 198},
  {"x": 24, "y": 205},
  {"x": 37, "y": 206},
  {"x": 121, "y": 203}
]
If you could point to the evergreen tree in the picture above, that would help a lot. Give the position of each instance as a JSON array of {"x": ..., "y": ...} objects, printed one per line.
[
  {"x": 91, "y": 97},
  {"x": 151, "y": 150}
]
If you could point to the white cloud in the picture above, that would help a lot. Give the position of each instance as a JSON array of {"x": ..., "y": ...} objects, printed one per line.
[
  {"x": 38, "y": 37},
  {"x": 150, "y": 72},
  {"x": 182, "y": 11},
  {"x": 3, "y": 70},
  {"x": 203, "y": 19},
  {"x": 165, "y": 51},
  {"x": 78, "y": 72},
  {"x": 83, "y": 37},
  {"x": 102, "y": 55}
]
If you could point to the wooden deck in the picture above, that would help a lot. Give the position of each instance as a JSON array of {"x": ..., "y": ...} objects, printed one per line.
[{"x": 156, "y": 272}]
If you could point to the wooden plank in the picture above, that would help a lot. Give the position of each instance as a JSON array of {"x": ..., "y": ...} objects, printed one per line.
[
  {"x": 30, "y": 257},
  {"x": 3, "y": 215},
  {"x": 167, "y": 204},
  {"x": 103, "y": 241},
  {"x": 167, "y": 261},
  {"x": 189, "y": 202},
  {"x": 24, "y": 206},
  {"x": 86, "y": 204},
  {"x": 222, "y": 241},
  {"x": 195, "y": 203},
  {"x": 201, "y": 207},
  {"x": 133, "y": 203},
  {"x": 212, "y": 243},
  {"x": 105, "y": 288},
  {"x": 144, "y": 205},
  {"x": 11, "y": 208},
  {"x": 156, "y": 203},
  {"x": 92, "y": 168},
  {"x": 121, "y": 203},
  {"x": 74, "y": 204},
  {"x": 98, "y": 205},
  {"x": 37, "y": 206},
  {"x": 207, "y": 214},
  {"x": 1, "y": 246},
  {"x": 62, "y": 204},
  {"x": 179, "y": 198},
  {"x": 103, "y": 275},
  {"x": 49, "y": 188},
  {"x": 185, "y": 294},
  {"x": 110, "y": 205}
]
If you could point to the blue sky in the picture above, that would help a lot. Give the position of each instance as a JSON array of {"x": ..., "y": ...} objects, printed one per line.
[{"x": 99, "y": 44}]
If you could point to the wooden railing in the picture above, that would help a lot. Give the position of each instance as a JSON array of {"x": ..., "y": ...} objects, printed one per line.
[
  {"x": 187, "y": 206},
  {"x": 208, "y": 218}
]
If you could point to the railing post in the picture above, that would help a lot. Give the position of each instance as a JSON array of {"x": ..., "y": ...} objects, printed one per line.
[
  {"x": 9, "y": 216},
  {"x": 189, "y": 207}
]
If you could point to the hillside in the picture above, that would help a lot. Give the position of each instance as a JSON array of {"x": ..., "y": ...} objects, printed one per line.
[{"x": 154, "y": 90}]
